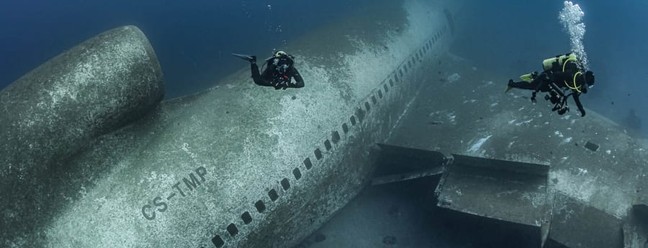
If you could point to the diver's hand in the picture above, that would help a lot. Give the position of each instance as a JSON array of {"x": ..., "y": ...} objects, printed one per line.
[
  {"x": 533, "y": 99},
  {"x": 280, "y": 86}
]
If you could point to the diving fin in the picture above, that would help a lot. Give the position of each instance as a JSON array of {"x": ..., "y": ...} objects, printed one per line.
[
  {"x": 509, "y": 86},
  {"x": 248, "y": 58}
]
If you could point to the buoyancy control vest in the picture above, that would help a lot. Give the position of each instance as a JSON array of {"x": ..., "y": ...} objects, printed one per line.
[{"x": 558, "y": 64}]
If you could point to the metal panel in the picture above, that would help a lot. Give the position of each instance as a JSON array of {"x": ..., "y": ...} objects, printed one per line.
[
  {"x": 497, "y": 189},
  {"x": 575, "y": 224}
]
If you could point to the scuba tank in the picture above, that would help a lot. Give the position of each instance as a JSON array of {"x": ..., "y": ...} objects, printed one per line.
[{"x": 548, "y": 64}]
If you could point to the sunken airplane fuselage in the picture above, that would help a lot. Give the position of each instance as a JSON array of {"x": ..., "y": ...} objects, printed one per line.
[{"x": 92, "y": 158}]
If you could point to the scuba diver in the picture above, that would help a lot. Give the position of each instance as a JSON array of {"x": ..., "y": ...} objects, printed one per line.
[
  {"x": 278, "y": 73},
  {"x": 562, "y": 77}
]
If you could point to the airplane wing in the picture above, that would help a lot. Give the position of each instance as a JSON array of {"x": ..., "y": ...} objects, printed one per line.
[{"x": 578, "y": 182}]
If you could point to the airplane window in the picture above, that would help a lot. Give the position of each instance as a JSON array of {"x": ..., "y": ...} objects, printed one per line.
[
  {"x": 307, "y": 161},
  {"x": 246, "y": 217},
  {"x": 335, "y": 137},
  {"x": 273, "y": 195},
  {"x": 260, "y": 206},
  {"x": 285, "y": 184},
  {"x": 297, "y": 173},
  {"x": 218, "y": 241},
  {"x": 232, "y": 230}
]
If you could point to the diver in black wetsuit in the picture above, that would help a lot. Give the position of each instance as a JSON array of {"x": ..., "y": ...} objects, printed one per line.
[
  {"x": 278, "y": 73},
  {"x": 562, "y": 78}
]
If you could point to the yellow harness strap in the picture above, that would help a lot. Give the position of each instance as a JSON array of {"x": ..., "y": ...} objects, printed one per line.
[{"x": 575, "y": 87}]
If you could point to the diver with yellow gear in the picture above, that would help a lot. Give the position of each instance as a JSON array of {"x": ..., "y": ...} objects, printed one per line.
[{"x": 562, "y": 77}]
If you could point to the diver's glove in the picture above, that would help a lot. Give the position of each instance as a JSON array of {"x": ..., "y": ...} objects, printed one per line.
[
  {"x": 533, "y": 97},
  {"x": 563, "y": 110},
  {"x": 280, "y": 85}
]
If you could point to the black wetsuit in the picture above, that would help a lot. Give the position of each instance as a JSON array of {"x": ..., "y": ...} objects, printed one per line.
[
  {"x": 272, "y": 76},
  {"x": 559, "y": 85}
]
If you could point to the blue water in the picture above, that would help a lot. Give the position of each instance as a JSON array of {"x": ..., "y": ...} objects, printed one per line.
[
  {"x": 513, "y": 37},
  {"x": 193, "y": 39}
]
